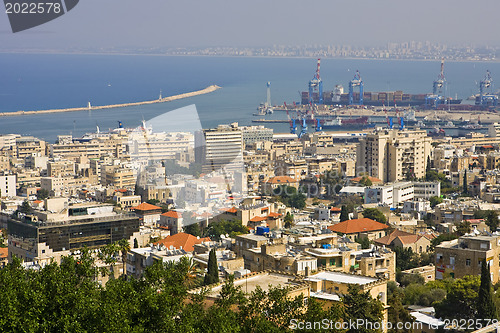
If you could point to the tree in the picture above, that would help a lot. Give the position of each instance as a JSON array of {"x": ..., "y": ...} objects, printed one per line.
[
  {"x": 344, "y": 214},
  {"x": 463, "y": 228},
  {"x": 193, "y": 229},
  {"x": 434, "y": 201},
  {"x": 364, "y": 241},
  {"x": 42, "y": 194},
  {"x": 288, "y": 220},
  {"x": 359, "y": 305},
  {"x": 124, "y": 247},
  {"x": 461, "y": 299},
  {"x": 398, "y": 313},
  {"x": 25, "y": 208},
  {"x": 428, "y": 166},
  {"x": 442, "y": 238},
  {"x": 223, "y": 227},
  {"x": 492, "y": 220},
  {"x": 136, "y": 244},
  {"x": 212, "y": 275},
  {"x": 486, "y": 308},
  {"x": 465, "y": 190},
  {"x": 374, "y": 214},
  {"x": 153, "y": 202}
]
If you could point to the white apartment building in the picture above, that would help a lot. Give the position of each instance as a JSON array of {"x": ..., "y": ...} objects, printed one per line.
[
  {"x": 392, "y": 155},
  {"x": 390, "y": 194},
  {"x": 219, "y": 148},
  {"x": 8, "y": 186},
  {"x": 426, "y": 190}
]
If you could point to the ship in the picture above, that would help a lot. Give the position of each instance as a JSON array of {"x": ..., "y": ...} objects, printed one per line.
[
  {"x": 379, "y": 98},
  {"x": 347, "y": 124}
]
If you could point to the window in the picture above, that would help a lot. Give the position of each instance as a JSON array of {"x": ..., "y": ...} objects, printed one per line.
[
  {"x": 452, "y": 260},
  {"x": 467, "y": 262},
  {"x": 370, "y": 267}
]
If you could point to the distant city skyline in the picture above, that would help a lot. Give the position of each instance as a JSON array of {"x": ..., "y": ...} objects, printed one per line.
[{"x": 100, "y": 24}]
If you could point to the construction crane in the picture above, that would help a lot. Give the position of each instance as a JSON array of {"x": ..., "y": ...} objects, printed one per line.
[
  {"x": 356, "y": 82},
  {"x": 316, "y": 86},
  {"x": 486, "y": 98}
]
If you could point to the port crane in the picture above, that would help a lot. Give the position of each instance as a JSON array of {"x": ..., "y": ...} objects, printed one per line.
[
  {"x": 304, "y": 128},
  {"x": 318, "y": 125},
  {"x": 293, "y": 125},
  {"x": 437, "y": 89},
  {"x": 316, "y": 86},
  {"x": 356, "y": 82},
  {"x": 485, "y": 98}
]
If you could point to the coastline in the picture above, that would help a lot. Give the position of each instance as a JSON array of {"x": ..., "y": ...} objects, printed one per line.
[{"x": 207, "y": 90}]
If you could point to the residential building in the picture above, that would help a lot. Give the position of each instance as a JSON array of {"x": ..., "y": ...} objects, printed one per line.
[
  {"x": 397, "y": 238},
  {"x": 7, "y": 185},
  {"x": 139, "y": 259},
  {"x": 463, "y": 256},
  {"x": 173, "y": 221},
  {"x": 148, "y": 214},
  {"x": 219, "y": 148},
  {"x": 357, "y": 228},
  {"x": 426, "y": 190},
  {"x": 181, "y": 241},
  {"x": 251, "y": 134},
  {"x": 392, "y": 155}
]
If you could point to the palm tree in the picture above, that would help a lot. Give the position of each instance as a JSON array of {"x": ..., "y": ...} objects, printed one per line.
[
  {"x": 191, "y": 271},
  {"x": 124, "y": 247}
]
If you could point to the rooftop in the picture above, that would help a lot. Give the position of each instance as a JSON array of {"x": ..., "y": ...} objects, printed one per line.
[
  {"x": 182, "y": 241},
  {"x": 357, "y": 225},
  {"x": 146, "y": 207},
  {"x": 341, "y": 278}
]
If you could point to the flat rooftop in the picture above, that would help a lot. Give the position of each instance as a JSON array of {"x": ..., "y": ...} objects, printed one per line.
[
  {"x": 248, "y": 285},
  {"x": 341, "y": 278}
]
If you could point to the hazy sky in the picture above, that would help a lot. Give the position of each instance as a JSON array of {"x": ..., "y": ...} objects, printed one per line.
[{"x": 163, "y": 23}]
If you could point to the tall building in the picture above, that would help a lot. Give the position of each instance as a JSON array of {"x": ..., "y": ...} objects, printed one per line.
[
  {"x": 7, "y": 185},
  {"x": 393, "y": 155},
  {"x": 218, "y": 148},
  {"x": 64, "y": 228}
]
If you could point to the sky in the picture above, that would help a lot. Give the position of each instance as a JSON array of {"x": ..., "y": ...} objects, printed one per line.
[{"x": 253, "y": 23}]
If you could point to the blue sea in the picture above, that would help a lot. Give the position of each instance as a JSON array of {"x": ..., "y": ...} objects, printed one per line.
[{"x": 38, "y": 82}]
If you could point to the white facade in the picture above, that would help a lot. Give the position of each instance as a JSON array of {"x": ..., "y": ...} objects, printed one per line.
[
  {"x": 8, "y": 186},
  {"x": 426, "y": 190},
  {"x": 390, "y": 195}
]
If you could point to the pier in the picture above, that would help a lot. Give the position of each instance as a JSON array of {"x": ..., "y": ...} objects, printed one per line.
[{"x": 207, "y": 90}]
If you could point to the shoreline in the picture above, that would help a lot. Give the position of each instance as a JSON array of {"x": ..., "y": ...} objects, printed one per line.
[{"x": 206, "y": 90}]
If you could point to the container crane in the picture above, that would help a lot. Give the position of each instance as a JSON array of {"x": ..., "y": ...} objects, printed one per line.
[
  {"x": 316, "y": 86},
  {"x": 304, "y": 128},
  {"x": 293, "y": 125},
  {"x": 437, "y": 89},
  {"x": 356, "y": 82},
  {"x": 318, "y": 125},
  {"x": 485, "y": 98}
]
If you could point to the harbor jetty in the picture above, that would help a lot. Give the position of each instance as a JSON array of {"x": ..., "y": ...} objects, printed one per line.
[{"x": 207, "y": 90}]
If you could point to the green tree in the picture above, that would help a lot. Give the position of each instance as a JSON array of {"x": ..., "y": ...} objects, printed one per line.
[
  {"x": 359, "y": 305},
  {"x": 435, "y": 201},
  {"x": 136, "y": 244},
  {"x": 374, "y": 214},
  {"x": 461, "y": 299},
  {"x": 463, "y": 228},
  {"x": 123, "y": 246},
  {"x": 405, "y": 258},
  {"x": 428, "y": 165},
  {"x": 364, "y": 241},
  {"x": 398, "y": 313},
  {"x": 344, "y": 214},
  {"x": 193, "y": 229},
  {"x": 155, "y": 202},
  {"x": 486, "y": 307},
  {"x": 212, "y": 275},
  {"x": 288, "y": 220},
  {"x": 442, "y": 238},
  {"x": 42, "y": 194},
  {"x": 223, "y": 227},
  {"x": 492, "y": 220},
  {"x": 25, "y": 208},
  {"x": 465, "y": 190}
]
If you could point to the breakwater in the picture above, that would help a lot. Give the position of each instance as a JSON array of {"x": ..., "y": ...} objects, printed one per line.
[{"x": 207, "y": 90}]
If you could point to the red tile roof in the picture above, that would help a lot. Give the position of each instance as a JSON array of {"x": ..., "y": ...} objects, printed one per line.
[
  {"x": 37, "y": 201},
  {"x": 281, "y": 180},
  {"x": 145, "y": 207},
  {"x": 357, "y": 225},
  {"x": 4, "y": 252},
  {"x": 258, "y": 219},
  {"x": 372, "y": 179},
  {"x": 404, "y": 237},
  {"x": 122, "y": 190},
  {"x": 186, "y": 241},
  {"x": 335, "y": 209},
  {"x": 172, "y": 213},
  {"x": 272, "y": 214},
  {"x": 229, "y": 210}
]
